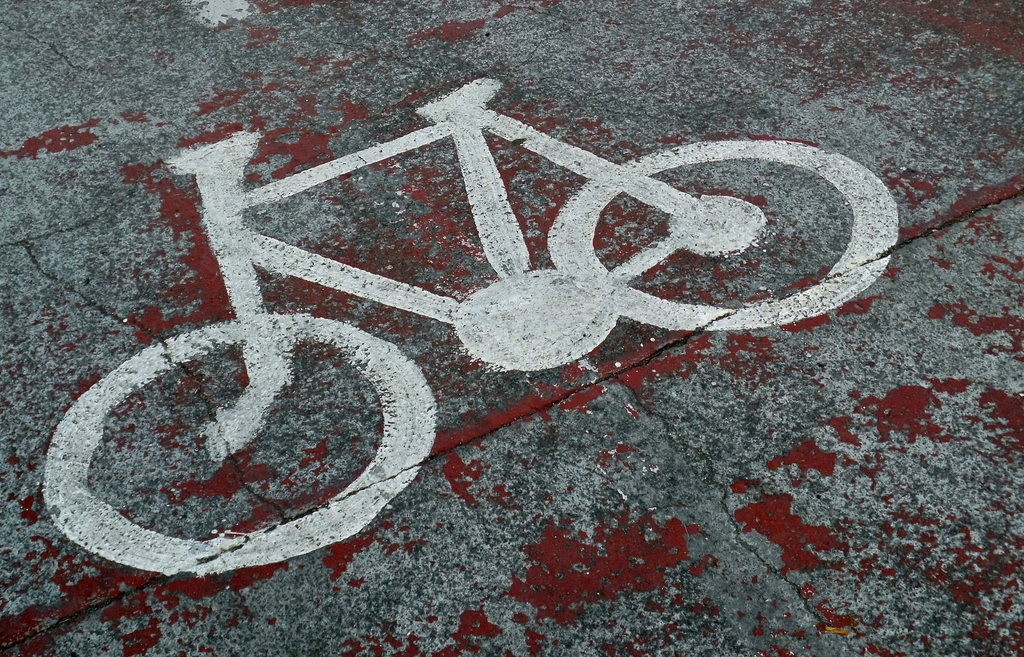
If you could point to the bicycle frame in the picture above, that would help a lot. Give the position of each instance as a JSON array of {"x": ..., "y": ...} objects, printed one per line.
[{"x": 507, "y": 324}]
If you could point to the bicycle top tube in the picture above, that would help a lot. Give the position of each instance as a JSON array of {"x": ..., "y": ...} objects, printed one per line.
[{"x": 464, "y": 116}]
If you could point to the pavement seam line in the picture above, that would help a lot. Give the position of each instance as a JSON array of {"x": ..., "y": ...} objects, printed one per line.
[
  {"x": 42, "y": 42},
  {"x": 94, "y": 219}
]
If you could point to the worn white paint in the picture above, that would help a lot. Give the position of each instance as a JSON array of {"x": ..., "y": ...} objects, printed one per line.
[
  {"x": 216, "y": 12},
  {"x": 535, "y": 321},
  {"x": 874, "y": 230},
  {"x": 529, "y": 320},
  {"x": 409, "y": 418}
]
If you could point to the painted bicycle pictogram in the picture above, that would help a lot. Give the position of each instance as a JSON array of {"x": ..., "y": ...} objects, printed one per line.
[{"x": 507, "y": 324}]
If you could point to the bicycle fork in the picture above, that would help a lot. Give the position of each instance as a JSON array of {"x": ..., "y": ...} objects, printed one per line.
[{"x": 218, "y": 169}]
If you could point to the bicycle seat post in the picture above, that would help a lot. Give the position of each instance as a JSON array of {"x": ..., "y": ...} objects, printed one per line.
[
  {"x": 218, "y": 169},
  {"x": 465, "y": 112}
]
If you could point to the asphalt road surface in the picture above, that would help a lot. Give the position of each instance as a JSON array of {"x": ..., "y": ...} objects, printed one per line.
[{"x": 512, "y": 328}]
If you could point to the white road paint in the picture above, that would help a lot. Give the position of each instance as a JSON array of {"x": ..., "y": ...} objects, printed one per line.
[
  {"x": 539, "y": 320},
  {"x": 409, "y": 419},
  {"x": 496, "y": 224},
  {"x": 874, "y": 231},
  {"x": 216, "y": 12},
  {"x": 529, "y": 320},
  {"x": 304, "y": 180}
]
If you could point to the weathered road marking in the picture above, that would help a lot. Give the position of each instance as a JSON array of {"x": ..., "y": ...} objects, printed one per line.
[
  {"x": 215, "y": 12},
  {"x": 529, "y": 320}
]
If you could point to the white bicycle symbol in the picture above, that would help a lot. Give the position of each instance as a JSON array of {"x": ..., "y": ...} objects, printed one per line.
[{"x": 509, "y": 324}]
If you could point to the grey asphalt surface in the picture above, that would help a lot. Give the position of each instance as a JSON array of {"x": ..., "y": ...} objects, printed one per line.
[{"x": 849, "y": 484}]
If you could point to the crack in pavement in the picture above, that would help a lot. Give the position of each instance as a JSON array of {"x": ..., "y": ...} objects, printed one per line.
[
  {"x": 42, "y": 42},
  {"x": 713, "y": 480},
  {"x": 94, "y": 219},
  {"x": 183, "y": 367}
]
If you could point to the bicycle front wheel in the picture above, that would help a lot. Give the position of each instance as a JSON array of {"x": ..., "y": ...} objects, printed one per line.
[
  {"x": 874, "y": 231},
  {"x": 409, "y": 424}
]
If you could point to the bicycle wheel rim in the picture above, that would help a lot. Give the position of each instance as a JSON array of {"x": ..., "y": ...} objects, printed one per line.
[
  {"x": 409, "y": 419},
  {"x": 874, "y": 231}
]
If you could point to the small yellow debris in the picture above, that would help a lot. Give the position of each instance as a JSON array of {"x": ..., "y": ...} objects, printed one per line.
[{"x": 836, "y": 630}]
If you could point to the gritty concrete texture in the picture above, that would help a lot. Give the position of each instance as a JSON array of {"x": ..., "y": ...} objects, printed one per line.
[{"x": 845, "y": 484}]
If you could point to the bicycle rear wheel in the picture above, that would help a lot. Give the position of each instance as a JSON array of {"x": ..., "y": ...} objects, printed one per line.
[
  {"x": 874, "y": 231},
  {"x": 409, "y": 424}
]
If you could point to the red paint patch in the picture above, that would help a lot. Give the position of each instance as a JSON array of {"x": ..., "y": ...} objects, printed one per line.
[
  {"x": 857, "y": 306},
  {"x": 502, "y": 497},
  {"x": 221, "y": 100},
  {"x": 261, "y": 36},
  {"x": 229, "y": 479},
  {"x": 473, "y": 626},
  {"x": 1007, "y": 425},
  {"x": 740, "y": 486},
  {"x": 307, "y": 148},
  {"x": 140, "y": 641},
  {"x": 604, "y": 459},
  {"x": 342, "y": 554},
  {"x": 992, "y": 24},
  {"x": 980, "y": 325},
  {"x": 773, "y": 519},
  {"x": 475, "y": 623},
  {"x": 57, "y": 140},
  {"x": 905, "y": 410},
  {"x": 807, "y": 456},
  {"x": 84, "y": 384},
  {"x": 808, "y": 324},
  {"x": 748, "y": 357},
  {"x": 950, "y": 386},
  {"x": 1004, "y": 267},
  {"x": 678, "y": 362},
  {"x": 27, "y": 512},
  {"x": 915, "y": 190},
  {"x": 579, "y": 401},
  {"x": 448, "y": 31},
  {"x": 351, "y": 111},
  {"x": 246, "y": 577},
  {"x": 82, "y": 584},
  {"x": 451, "y": 438},
  {"x": 969, "y": 202},
  {"x": 842, "y": 427},
  {"x": 834, "y": 618},
  {"x": 535, "y": 642},
  {"x": 461, "y": 475},
  {"x": 180, "y": 210},
  {"x": 220, "y": 133},
  {"x": 882, "y": 652},
  {"x": 569, "y": 572}
]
